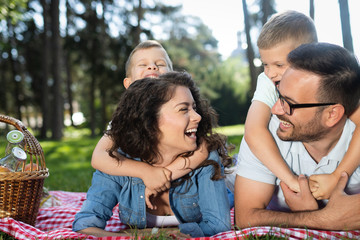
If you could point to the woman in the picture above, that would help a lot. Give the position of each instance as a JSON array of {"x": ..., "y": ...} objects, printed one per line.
[{"x": 161, "y": 118}]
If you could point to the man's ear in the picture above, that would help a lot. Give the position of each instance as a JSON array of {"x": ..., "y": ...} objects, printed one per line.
[
  {"x": 334, "y": 114},
  {"x": 127, "y": 82}
]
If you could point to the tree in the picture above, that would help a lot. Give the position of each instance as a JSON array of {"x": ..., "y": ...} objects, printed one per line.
[
  {"x": 312, "y": 9},
  {"x": 345, "y": 25},
  {"x": 45, "y": 72},
  {"x": 15, "y": 70},
  {"x": 67, "y": 64},
  {"x": 58, "y": 105},
  {"x": 12, "y": 9},
  {"x": 267, "y": 10},
  {"x": 249, "y": 51}
]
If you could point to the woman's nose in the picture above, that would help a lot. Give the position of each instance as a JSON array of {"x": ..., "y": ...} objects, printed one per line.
[{"x": 195, "y": 116}]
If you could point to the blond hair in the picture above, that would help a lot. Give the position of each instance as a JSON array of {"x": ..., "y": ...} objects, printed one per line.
[
  {"x": 146, "y": 45},
  {"x": 288, "y": 25}
]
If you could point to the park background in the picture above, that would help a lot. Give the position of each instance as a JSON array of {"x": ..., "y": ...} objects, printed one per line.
[{"x": 62, "y": 63}]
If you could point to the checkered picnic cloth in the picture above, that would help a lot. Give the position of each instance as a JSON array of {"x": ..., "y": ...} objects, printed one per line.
[{"x": 55, "y": 223}]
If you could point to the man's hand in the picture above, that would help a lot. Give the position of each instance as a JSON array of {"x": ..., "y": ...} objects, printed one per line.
[
  {"x": 342, "y": 211},
  {"x": 299, "y": 201},
  {"x": 322, "y": 185}
]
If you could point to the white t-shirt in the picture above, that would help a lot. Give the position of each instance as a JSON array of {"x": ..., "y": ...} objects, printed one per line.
[
  {"x": 299, "y": 161},
  {"x": 161, "y": 221},
  {"x": 265, "y": 91}
]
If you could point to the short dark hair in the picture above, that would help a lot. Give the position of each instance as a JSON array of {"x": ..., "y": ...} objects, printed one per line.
[{"x": 338, "y": 68}]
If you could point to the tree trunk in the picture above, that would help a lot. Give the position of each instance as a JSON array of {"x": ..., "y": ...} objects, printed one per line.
[
  {"x": 45, "y": 73},
  {"x": 140, "y": 16},
  {"x": 92, "y": 104},
  {"x": 58, "y": 121},
  {"x": 266, "y": 10},
  {"x": 68, "y": 70},
  {"x": 345, "y": 25},
  {"x": 249, "y": 50},
  {"x": 15, "y": 75},
  {"x": 312, "y": 9},
  {"x": 103, "y": 87}
]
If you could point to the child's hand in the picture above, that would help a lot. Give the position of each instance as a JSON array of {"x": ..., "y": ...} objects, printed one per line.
[
  {"x": 293, "y": 184},
  {"x": 322, "y": 185},
  {"x": 148, "y": 194},
  {"x": 157, "y": 179}
]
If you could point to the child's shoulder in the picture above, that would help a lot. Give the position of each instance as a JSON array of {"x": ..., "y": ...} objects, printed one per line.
[
  {"x": 263, "y": 78},
  {"x": 265, "y": 90}
]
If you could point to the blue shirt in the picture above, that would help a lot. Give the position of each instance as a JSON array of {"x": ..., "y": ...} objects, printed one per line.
[{"x": 200, "y": 204}]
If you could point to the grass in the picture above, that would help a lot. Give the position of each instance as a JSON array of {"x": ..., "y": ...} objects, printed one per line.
[{"x": 4, "y": 236}]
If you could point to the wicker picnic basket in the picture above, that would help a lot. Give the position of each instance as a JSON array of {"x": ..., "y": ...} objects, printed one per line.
[{"x": 21, "y": 192}]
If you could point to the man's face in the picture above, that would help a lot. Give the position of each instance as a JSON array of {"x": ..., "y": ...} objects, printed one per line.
[{"x": 304, "y": 124}]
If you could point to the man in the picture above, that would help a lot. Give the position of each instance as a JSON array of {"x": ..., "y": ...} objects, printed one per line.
[{"x": 317, "y": 93}]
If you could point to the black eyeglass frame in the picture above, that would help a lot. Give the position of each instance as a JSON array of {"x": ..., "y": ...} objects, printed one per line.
[{"x": 301, "y": 105}]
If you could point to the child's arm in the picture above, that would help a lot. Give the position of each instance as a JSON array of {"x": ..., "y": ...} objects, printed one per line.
[
  {"x": 322, "y": 185},
  {"x": 155, "y": 178},
  {"x": 256, "y": 128},
  {"x": 182, "y": 166},
  {"x": 179, "y": 168}
]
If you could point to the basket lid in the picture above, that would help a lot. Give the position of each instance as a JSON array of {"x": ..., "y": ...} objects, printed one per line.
[{"x": 15, "y": 136}]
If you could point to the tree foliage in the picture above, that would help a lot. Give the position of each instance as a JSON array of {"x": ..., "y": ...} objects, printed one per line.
[
  {"x": 59, "y": 58},
  {"x": 12, "y": 9},
  {"x": 68, "y": 58}
]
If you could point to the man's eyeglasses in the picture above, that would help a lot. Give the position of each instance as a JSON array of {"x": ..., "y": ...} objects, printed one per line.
[{"x": 289, "y": 107}]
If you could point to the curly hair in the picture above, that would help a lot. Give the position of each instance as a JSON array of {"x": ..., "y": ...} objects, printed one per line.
[{"x": 134, "y": 125}]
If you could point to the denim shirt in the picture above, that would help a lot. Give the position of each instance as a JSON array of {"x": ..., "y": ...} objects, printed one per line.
[{"x": 200, "y": 205}]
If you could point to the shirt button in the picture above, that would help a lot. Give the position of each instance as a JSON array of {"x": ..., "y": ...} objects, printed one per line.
[
  {"x": 141, "y": 196},
  {"x": 194, "y": 204},
  {"x": 142, "y": 219}
]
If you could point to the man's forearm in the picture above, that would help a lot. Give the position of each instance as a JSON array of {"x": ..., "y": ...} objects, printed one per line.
[{"x": 264, "y": 217}]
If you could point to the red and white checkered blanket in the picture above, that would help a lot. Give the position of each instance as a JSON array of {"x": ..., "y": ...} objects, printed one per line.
[{"x": 55, "y": 223}]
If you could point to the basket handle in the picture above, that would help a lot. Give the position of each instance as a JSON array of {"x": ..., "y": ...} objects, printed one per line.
[{"x": 32, "y": 145}]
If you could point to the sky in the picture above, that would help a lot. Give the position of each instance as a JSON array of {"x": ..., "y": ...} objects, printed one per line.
[{"x": 225, "y": 19}]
